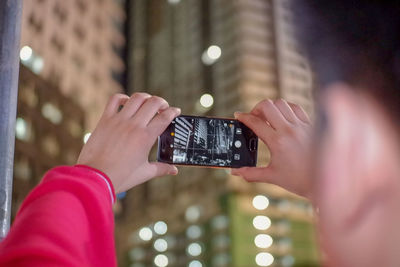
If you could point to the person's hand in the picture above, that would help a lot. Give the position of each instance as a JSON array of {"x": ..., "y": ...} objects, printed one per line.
[
  {"x": 121, "y": 143},
  {"x": 286, "y": 129}
]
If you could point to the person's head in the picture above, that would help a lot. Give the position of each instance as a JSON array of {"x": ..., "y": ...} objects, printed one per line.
[{"x": 354, "y": 49}]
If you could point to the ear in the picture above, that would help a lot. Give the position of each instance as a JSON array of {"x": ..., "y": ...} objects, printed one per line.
[
  {"x": 339, "y": 148},
  {"x": 355, "y": 182}
]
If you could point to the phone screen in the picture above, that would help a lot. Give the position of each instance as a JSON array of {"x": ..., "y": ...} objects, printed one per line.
[{"x": 205, "y": 141}]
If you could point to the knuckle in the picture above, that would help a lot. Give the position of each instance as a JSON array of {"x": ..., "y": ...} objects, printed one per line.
[
  {"x": 140, "y": 95},
  {"x": 289, "y": 130},
  {"x": 158, "y": 100},
  {"x": 117, "y": 96},
  {"x": 279, "y": 101},
  {"x": 295, "y": 106},
  {"x": 266, "y": 102},
  {"x": 168, "y": 114}
]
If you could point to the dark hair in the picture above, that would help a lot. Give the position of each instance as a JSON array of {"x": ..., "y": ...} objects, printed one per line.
[{"x": 357, "y": 42}]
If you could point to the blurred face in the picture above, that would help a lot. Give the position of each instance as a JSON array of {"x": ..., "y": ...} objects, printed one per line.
[{"x": 357, "y": 179}]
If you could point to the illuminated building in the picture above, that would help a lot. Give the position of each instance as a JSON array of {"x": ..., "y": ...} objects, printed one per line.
[
  {"x": 71, "y": 62},
  {"x": 77, "y": 45},
  {"x": 49, "y": 131},
  {"x": 238, "y": 52}
]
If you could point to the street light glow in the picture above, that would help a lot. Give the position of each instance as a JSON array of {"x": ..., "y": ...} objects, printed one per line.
[
  {"x": 260, "y": 202},
  {"x": 195, "y": 263},
  {"x": 261, "y": 222},
  {"x": 211, "y": 55},
  {"x": 193, "y": 213},
  {"x": 174, "y": 2},
  {"x": 145, "y": 234},
  {"x": 160, "y": 228},
  {"x": 214, "y": 52},
  {"x": 25, "y": 53},
  {"x": 160, "y": 245},
  {"x": 207, "y": 100},
  {"x": 194, "y": 249},
  {"x": 263, "y": 241},
  {"x": 264, "y": 259},
  {"x": 193, "y": 232},
  {"x": 161, "y": 260}
]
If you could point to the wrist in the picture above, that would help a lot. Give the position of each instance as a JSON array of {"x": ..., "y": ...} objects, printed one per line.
[{"x": 101, "y": 175}]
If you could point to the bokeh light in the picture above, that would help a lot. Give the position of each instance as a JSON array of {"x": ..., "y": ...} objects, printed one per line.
[
  {"x": 260, "y": 202},
  {"x": 264, "y": 259},
  {"x": 145, "y": 234},
  {"x": 207, "y": 100},
  {"x": 263, "y": 241},
  {"x": 261, "y": 222}
]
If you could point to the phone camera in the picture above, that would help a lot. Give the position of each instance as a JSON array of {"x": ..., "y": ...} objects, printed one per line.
[{"x": 238, "y": 144}]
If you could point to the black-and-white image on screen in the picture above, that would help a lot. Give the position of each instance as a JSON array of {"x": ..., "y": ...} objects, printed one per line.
[{"x": 203, "y": 141}]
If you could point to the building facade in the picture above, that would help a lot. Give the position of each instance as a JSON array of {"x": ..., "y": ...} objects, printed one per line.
[
  {"x": 71, "y": 62},
  {"x": 78, "y": 47},
  {"x": 240, "y": 52},
  {"x": 49, "y": 131}
]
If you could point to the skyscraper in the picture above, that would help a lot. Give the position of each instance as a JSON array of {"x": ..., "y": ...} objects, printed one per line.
[
  {"x": 77, "y": 46},
  {"x": 49, "y": 131},
  {"x": 71, "y": 55},
  {"x": 239, "y": 52}
]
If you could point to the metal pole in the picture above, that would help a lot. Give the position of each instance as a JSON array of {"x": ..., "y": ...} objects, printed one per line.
[{"x": 10, "y": 27}]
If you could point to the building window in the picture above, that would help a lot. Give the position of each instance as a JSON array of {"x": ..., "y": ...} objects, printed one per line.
[
  {"x": 24, "y": 130},
  {"x": 57, "y": 44},
  {"x": 78, "y": 62},
  {"x": 22, "y": 169},
  {"x": 52, "y": 113},
  {"x": 27, "y": 94},
  {"x": 96, "y": 78},
  {"x": 55, "y": 77},
  {"x": 35, "y": 23},
  {"x": 82, "y": 6},
  {"x": 50, "y": 146},
  {"x": 99, "y": 22},
  {"x": 74, "y": 128},
  {"x": 97, "y": 50},
  {"x": 79, "y": 33},
  {"x": 60, "y": 13}
]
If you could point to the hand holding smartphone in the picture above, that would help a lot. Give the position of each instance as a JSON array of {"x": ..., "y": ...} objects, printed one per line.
[{"x": 209, "y": 142}]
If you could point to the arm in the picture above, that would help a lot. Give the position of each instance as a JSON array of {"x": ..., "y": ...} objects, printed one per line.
[{"x": 67, "y": 219}]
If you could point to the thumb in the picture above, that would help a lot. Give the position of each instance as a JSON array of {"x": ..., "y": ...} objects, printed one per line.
[
  {"x": 161, "y": 169},
  {"x": 255, "y": 174}
]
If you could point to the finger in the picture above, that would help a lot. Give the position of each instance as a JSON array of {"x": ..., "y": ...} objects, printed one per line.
[
  {"x": 286, "y": 110},
  {"x": 270, "y": 113},
  {"x": 161, "y": 121},
  {"x": 300, "y": 113},
  {"x": 258, "y": 125},
  {"x": 133, "y": 104},
  {"x": 255, "y": 174},
  {"x": 114, "y": 103},
  {"x": 150, "y": 108},
  {"x": 156, "y": 169}
]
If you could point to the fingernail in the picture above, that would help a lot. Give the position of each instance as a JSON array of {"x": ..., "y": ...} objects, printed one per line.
[
  {"x": 237, "y": 113},
  {"x": 174, "y": 171},
  {"x": 178, "y": 110},
  {"x": 234, "y": 172}
]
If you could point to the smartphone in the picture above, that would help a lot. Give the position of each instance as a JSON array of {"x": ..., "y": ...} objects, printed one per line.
[{"x": 209, "y": 142}]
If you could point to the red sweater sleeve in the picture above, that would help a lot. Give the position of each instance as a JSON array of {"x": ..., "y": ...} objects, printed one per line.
[{"x": 66, "y": 220}]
